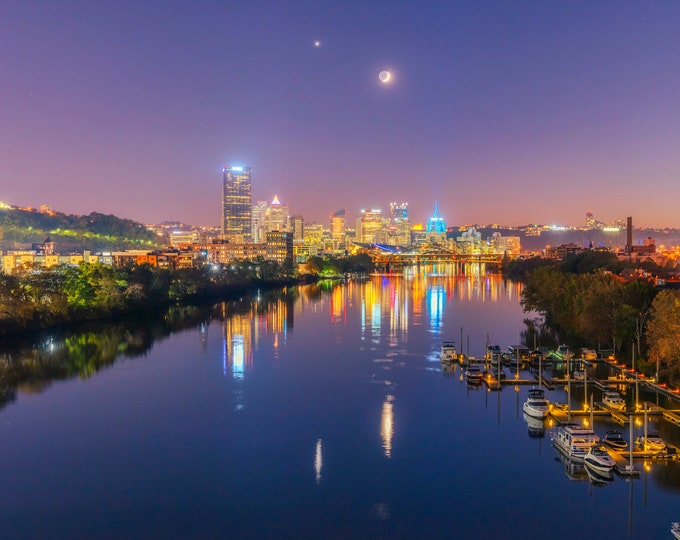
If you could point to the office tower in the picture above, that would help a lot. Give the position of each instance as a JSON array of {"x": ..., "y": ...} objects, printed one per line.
[
  {"x": 298, "y": 228},
  {"x": 436, "y": 223},
  {"x": 590, "y": 220},
  {"x": 259, "y": 217},
  {"x": 277, "y": 216},
  {"x": 338, "y": 227},
  {"x": 370, "y": 223},
  {"x": 398, "y": 212},
  {"x": 236, "y": 203}
]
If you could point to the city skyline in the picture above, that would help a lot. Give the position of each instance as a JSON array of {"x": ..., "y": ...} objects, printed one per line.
[{"x": 525, "y": 113}]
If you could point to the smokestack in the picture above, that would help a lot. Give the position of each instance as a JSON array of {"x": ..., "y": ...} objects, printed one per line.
[{"x": 629, "y": 235}]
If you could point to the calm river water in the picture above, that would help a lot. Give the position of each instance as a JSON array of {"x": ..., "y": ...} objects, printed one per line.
[{"x": 319, "y": 412}]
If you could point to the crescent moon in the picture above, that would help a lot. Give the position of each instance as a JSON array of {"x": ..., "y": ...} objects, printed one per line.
[{"x": 384, "y": 76}]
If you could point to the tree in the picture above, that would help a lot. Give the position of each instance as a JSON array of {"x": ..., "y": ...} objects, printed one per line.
[{"x": 663, "y": 334}]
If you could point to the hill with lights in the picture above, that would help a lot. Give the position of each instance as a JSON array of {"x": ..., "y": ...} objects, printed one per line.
[{"x": 21, "y": 227}]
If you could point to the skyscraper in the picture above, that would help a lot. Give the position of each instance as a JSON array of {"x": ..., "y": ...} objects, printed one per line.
[
  {"x": 236, "y": 203},
  {"x": 338, "y": 227}
]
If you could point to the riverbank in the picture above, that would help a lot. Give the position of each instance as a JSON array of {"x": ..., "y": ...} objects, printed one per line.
[{"x": 35, "y": 301}]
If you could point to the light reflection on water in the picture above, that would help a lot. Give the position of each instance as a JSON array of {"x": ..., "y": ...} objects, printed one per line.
[{"x": 212, "y": 434}]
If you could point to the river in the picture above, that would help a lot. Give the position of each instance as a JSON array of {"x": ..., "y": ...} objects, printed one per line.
[{"x": 315, "y": 412}]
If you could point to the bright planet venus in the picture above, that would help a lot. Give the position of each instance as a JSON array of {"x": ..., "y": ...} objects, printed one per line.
[{"x": 384, "y": 76}]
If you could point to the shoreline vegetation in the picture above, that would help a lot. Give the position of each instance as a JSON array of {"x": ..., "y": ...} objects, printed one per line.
[
  {"x": 34, "y": 298},
  {"x": 594, "y": 300}
]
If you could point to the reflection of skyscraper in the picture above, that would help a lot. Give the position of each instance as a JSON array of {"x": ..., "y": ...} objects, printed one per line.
[{"x": 236, "y": 203}]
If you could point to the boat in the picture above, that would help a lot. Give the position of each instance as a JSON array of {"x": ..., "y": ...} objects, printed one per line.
[
  {"x": 613, "y": 400},
  {"x": 575, "y": 441},
  {"x": 448, "y": 351},
  {"x": 588, "y": 354},
  {"x": 518, "y": 355},
  {"x": 536, "y": 405},
  {"x": 675, "y": 530},
  {"x": 653, "y": 442},
  {"x": 493, "y": 353},
  {"x": 474, "y": 374},
  {"x": 540, "y": 356},
  {"x": 615, "y": 440},
  {"x": 599, "y": 460},
  {"x": 565, "y": 352}
]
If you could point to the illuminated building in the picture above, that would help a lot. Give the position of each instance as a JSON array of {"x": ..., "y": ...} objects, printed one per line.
[
  {"x": 398, "y": 212},
  {"x": 279, "y": 246},
  {"x": 297, "y": 224},
  {"x": 590, "y": 220},
  {"x": 259, "y": 213},
  {"x": 399, "y": 232},
  {"x": 236, "y": 203},
  {"x": 276, "y": 218},
  {"x": 436, "y": 223},
  {"x": 338, "y": 227},
  {"x": 368, "y": 225}
]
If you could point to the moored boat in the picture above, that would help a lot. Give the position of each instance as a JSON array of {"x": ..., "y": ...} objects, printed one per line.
[
  {"x": 574, "y": 441},
  {"x": 615, "y": 440},
  {"x": 613, "y": 400},
  {"x": 448, "y": 351},
  {"x": 588, "y": 354},
  {"x": 474, "y": 374},
  {"x": 536, "y": 404},
  {"x": 599, "y": 460},
  {"x": 652, "y": 443}
]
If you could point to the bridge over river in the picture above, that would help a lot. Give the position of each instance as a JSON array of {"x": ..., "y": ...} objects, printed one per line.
[{"x": 392, "y": 258}]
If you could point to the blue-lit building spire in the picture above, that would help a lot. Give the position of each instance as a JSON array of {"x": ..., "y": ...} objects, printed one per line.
[{"x": 436, "y": 223}]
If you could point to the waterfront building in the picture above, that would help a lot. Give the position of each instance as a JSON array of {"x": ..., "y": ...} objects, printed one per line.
[
  {"x": 279, "y": 246},
  {"x": 237, "y": 203},
  {"x": 470, "y": 242},
  {"x": 504, "y": 244}
]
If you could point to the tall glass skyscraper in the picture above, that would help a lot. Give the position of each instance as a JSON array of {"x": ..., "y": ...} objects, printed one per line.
[{"x": 237, "y": 211}]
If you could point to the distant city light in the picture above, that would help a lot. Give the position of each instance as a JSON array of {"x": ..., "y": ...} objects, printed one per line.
[{"x": 237, "y": 169}]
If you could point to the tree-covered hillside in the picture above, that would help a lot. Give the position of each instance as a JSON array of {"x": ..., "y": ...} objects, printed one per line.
[{"x": 95, "y": 232}]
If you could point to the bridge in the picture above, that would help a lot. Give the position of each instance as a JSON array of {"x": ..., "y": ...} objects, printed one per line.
[{"x": 390, "y": 258}]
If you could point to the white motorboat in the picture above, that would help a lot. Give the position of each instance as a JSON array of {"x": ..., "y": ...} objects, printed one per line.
[
  {"x": 599, "y": 460},
  {"x": 575, "y": 441},
  {"x": 448, "y": 352},
  {"x": 675, "y": 530},
  {"x": 474, "y": 374},
  {"x": 536, "y": 404},
  {"x": 613, "y": 400},
  {"x": 615, "y": 440},
  {"x": 653, "y": 442}
]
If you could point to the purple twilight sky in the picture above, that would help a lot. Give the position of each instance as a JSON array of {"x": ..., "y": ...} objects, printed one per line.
[{"x": 502, "y": 112}]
